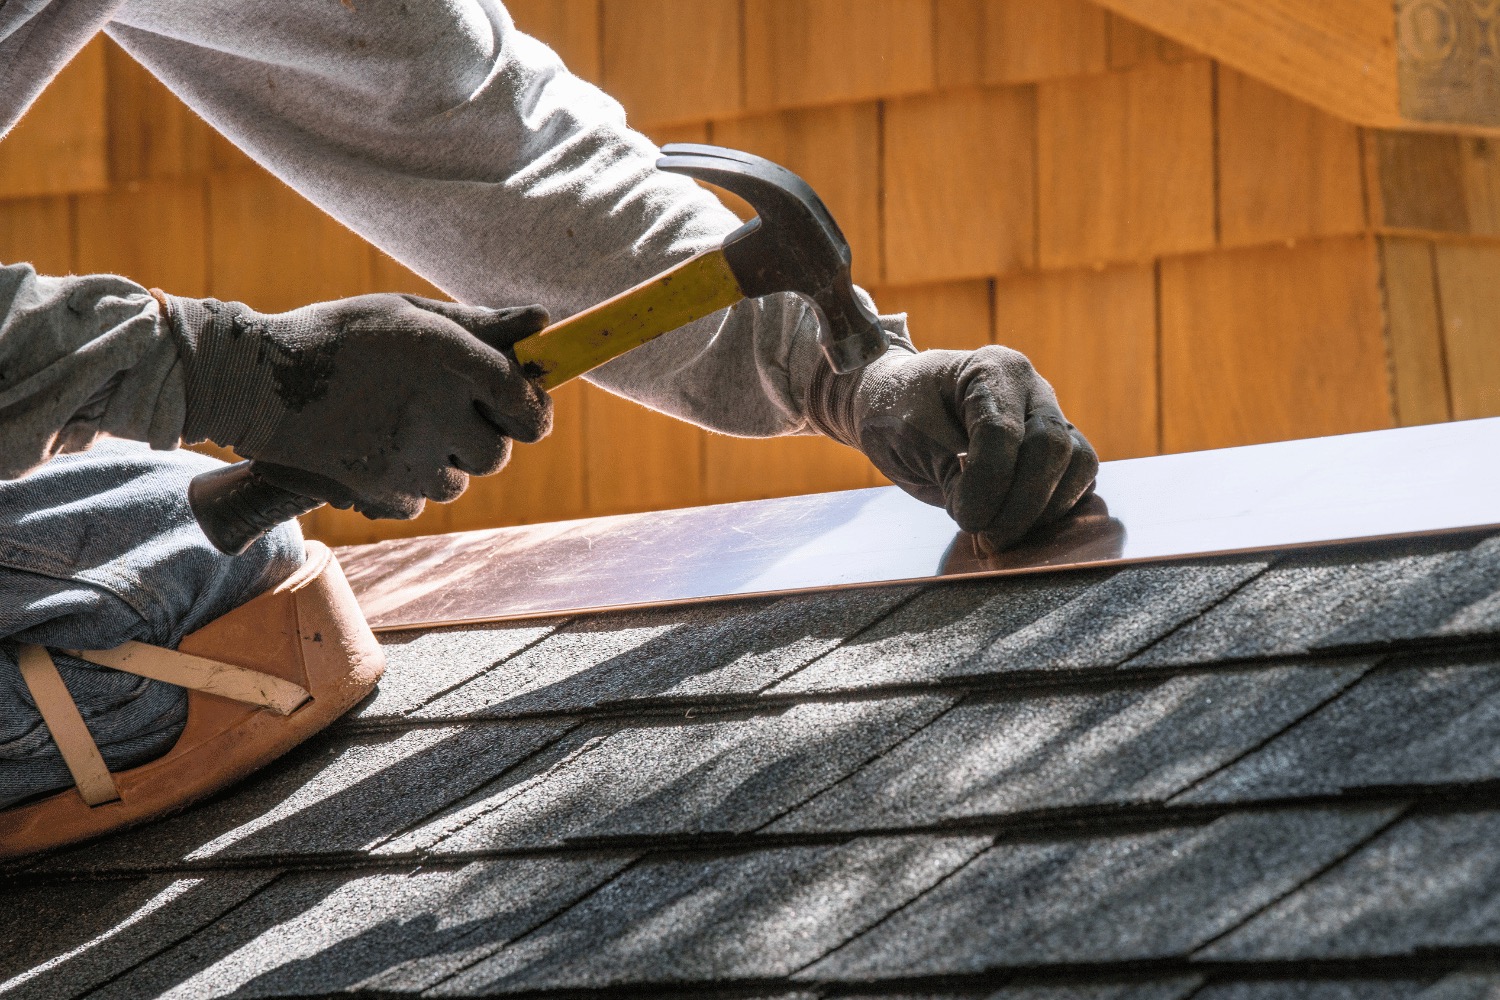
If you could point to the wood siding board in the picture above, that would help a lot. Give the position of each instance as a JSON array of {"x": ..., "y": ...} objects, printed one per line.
[
  {"x": 803, "y": 52},
  {"x": 1092, "y": 334},
  {"x": 1469, "y": 294},
  {"x": 152, "y": 134},
  {"x": 958, "y": 53},
  {"x": 1272, "y": 343},
  {"x": 949, "y": 316},
  {"x": 1131, "y": 45},
  {"x": 571, "y": 28},
  {"x": 958, "y": 196},
  {"x": 1286, "y": 169},
  {"x": 172, "y": 210},
  {"x": 274, "y": 250},
  {"x": 61, "y": 145},
  {"x": 39, "y": 232},
  {"x": 638, "y": 459},
  {"x": 1435, "y": 182},
  {"x": 1027, "y": 41},
  {"x": 1339, "y": 55},
  {"x": 837, "y": 151},
  {"x": 757, "y": 469},
  {"x": 1125, "y": 165},
  {"x": 1414, "y": 331},
  {"x": 673, "y": 60},
  {"x": 389, "y": 275},
  {"x": 1446, "y": 61}
]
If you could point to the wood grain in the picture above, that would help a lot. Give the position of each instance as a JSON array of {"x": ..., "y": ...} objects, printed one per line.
[
  {"x": 673, "y": 60},
  {"x": 1435, "y": 183},
  {"x": 1469, "y": 291},
  {"x": 638, "y": 459},
  {"x": 950, "y": 316},
  {"x": 1339, "y": 55},
  {"x": 837, "y": 151},
  {"x": 152, "y": 134},
  {"x": 1446, "y": 61},
  {"x": 1414, "y": 330},
  {"x": 959, "y": 185},
  {"x": 756, "y": 469},
  {"x": 1272, "y": 343},
  {"x": 389, "y": 275},
  {"x": 1125, "y": 165},
  {"x": 39, "y": 232},
  {"x": 1092, "y": 334},
  {"x": 571, "y": 28},
  {"x": 958, "y": 33},
  {"x": 174, "y": 210},
  {"x": 273, "y": 250},
  {"x": 61, "y": 146},
  {"x": 1026, "y": 41},
  {"x": 1287, "y": 170},
  {"x": 800, "y": 52}
]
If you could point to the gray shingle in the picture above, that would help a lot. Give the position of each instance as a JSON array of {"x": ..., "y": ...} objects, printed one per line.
[
  {"x": 709, "y": 776},
  {"x": 704, "y": 651},
  {"x": 1430, "y": 881},
  {"x": 1476, "y": 984},
  {"x": 1015, "y": 754},
  {"x": 422, "y": 665},
  {"x": 333, "y": 795},
  {"x": 1063, "y": 621},
  {"x": 1337, "y": 597},
  {"x": 319, "y": 933},
  {"x": 747, "y": 916},
  {"x": 1157, "y": 894},
  {"x": 1401, "y": 725},
  {"x": 1304, "y": 989},
  {"x": 59, "y": 941}
]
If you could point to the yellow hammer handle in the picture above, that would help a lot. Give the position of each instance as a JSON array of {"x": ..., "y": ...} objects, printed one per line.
[{"x": 693, "y": 289}]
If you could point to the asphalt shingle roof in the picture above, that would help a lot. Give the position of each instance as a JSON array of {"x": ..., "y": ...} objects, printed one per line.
[{"x": 1247, "y": 778}]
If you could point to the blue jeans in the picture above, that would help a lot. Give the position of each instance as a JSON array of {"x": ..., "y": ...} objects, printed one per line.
[{"x": 95, "y": 549}]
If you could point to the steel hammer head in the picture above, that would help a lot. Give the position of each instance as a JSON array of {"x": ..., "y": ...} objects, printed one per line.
[{"x": 793, "y": 245}]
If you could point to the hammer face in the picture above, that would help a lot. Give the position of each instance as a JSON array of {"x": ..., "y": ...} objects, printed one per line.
[{"x": 794, "y": 245}]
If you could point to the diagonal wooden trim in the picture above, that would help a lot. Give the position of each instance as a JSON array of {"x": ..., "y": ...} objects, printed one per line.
[
  {"x": 209, "y": 676},
  {"x": 72, "y": 737}
]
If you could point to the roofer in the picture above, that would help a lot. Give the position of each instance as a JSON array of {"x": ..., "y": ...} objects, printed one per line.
[{"x": 467, "y": 151}]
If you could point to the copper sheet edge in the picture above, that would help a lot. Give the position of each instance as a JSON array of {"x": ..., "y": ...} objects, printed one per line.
[{"x": 1320, "y": 492}]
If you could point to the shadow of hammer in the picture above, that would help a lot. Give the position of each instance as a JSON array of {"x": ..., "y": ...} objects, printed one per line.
[{"x": 793, "y": 245}]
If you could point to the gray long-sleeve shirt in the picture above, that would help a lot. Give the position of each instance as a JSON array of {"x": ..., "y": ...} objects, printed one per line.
[{"x": 436, "y": 130}]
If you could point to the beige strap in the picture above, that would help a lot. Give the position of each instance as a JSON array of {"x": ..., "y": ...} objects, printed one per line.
[
  {"x": 209, "y": 676},
  {"x": 72, "y": 737}
]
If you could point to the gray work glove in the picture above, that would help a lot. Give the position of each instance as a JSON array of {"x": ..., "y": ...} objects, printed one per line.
[
  {"x": 913, "y": 415},
  {"x": 382, "y": 401}
]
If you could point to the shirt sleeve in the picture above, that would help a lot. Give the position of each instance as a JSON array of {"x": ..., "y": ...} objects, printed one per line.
[
  {"x": 79, "y": 357},
  {"x": 466, "y": 150}
]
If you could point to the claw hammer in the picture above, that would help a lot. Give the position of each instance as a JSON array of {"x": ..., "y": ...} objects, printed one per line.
[{"x": 792, "y": 245}]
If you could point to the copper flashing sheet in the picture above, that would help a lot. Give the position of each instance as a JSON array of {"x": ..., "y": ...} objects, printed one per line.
[{"x": 1412, "y": 481}]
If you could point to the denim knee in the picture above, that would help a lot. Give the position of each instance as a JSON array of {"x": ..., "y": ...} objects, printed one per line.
[{"x": 96, "y": 549}]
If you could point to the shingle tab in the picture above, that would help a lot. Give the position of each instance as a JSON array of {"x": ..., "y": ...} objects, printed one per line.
[
  {"x": 1158, "y": 894},
  {"x": 704, "y": 777},
  {"x": 749, "y": 916},
  {"x": 1014, "y": 754},
  {"x": 319, "y": 932},
  {"x": 1317, "y": 989},
  {"x": 60, "y": 941},
  {"x": 1056, "y": 622},
  {"x": 706, "y": 651},
  {"x": 1430, "y": 881},
  {"x": 334, "y": 795},
  {"x": 420, "y": 666},
  {"x": 1432, "y": 723},
  {"x": 1348, "y": 596}
]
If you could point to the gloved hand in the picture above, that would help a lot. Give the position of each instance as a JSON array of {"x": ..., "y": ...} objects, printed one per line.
[
  {"x": 913, "y": 415},
  {"x": 381, "y": 400}
]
